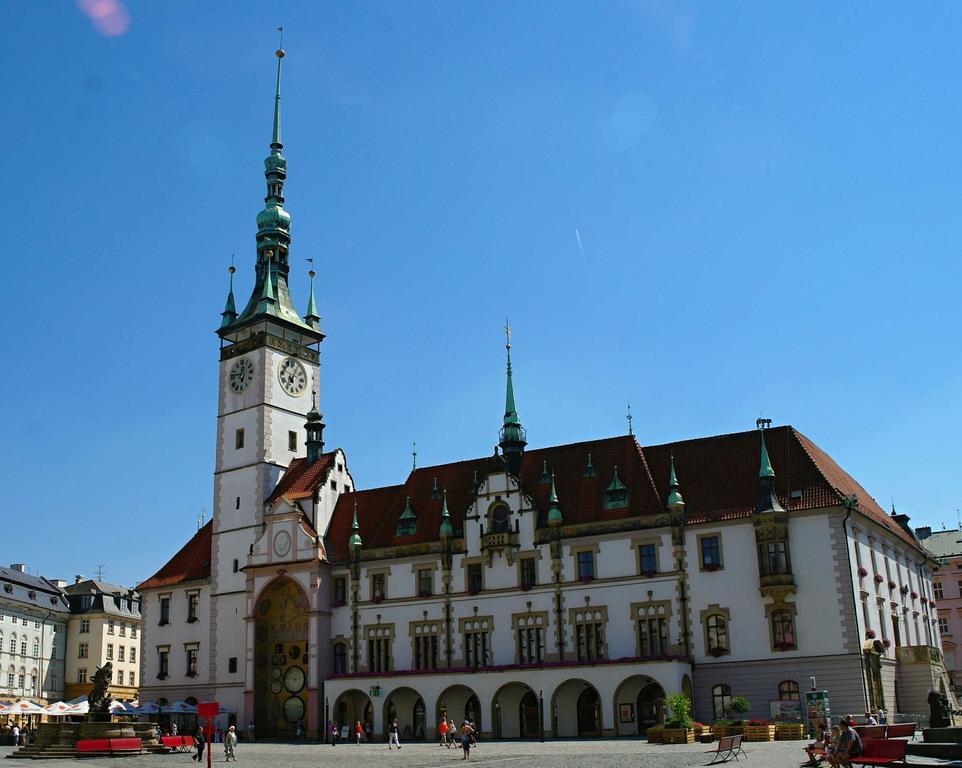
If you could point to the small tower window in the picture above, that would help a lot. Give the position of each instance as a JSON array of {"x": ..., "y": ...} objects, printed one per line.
[
  {"x": 616, "y": 494},
  {"x": 237, "y": 503},
  {"x": 238, "y": 439},
  {"x": 408, "y": 522},
  {"x": 292, "y": 441}
]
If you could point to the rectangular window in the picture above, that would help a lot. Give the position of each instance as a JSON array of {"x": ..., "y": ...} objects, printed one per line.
[
  {"x": 477, "y": 646},
  {"x": 110, "y": 627},
  {"x": 475, "y": 578},
  {"x": 530, "y": 639},
  {"x": 84, "y": 626},
  {"x": 937, "y": 588},
  {"x": 333, "y": 485},
  {"x": 83, "y": 651},
  {"x": 23, "y": 647},
  {"x": 648, "y": 558},
  {"x": 132, "y": 679},
  {"x": 133, "y": 654},
  {"x": 237, "y": 502},
  {"x": 589, "y": 636},
  {"x": 232, "y": 665},
  {"x": 425, "y": 582},
  {"x": 120, "y": 677},
  {"x": 377, "y": 587},
  {"x": 36, "y": 625},
  {"x": 426, "y": 644},
  {"x": 776, "y": 558},
  {"x": 21, "y": 680},
  {"x": 82, "y": 675},
  {"x": 652, "y": 635},
  {"x": 238, "y": 439},
  {"x": 121, "y": 653},
  {"x": 586, "y": 565},
  {"x": 193, "y": 598},
  {"x": 191, "y": 662},
  {"x": 529, "y": 572},
  {"x": 236, "y": 565},
  {"x": 163, "y": 664},
  {"x": 123, "y": 629},
  {"x": 340, "y": 590},
  {"x": 292, "y": 441},
  {"x": 110, "y": 652},
  {"x": 379, "y": 653},
  {"x": 10, "y": 679},
  {"x": 133, "y": 631},
  {"x": 710, "y": 552},
  {"x": 165, "y": 610},
  {"x": 943, "y": 625}
]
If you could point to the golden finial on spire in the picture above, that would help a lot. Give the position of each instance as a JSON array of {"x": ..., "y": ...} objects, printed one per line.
[{"x": 280, "y": 48}]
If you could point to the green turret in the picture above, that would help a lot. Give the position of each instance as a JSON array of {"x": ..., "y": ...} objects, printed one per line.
[
  {"x": 312, "y": 318},
  {"x": 675, "y": 501},
  {"x": 229, "y": 315},
  {"x": 512, "y": 433},
  {"x": 446, "y": 531},
  {"x": 355, "y": 541},
  {"x": 554, "y": 511}
]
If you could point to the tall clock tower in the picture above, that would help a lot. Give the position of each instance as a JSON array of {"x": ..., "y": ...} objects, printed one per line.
[{"x": 269, "y": 368}]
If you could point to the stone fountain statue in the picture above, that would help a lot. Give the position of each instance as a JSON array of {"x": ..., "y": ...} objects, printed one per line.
[{"x": 98, "y": 698}]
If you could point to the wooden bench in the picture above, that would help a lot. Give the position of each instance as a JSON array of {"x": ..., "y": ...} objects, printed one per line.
[
  {"x": 93, "y": 747},
  {"x": 727, "y": 748},
  {"x": 900, "y": 731},
  {"x": 881, "y": 752},
  {"x": 126, "y": 746}
]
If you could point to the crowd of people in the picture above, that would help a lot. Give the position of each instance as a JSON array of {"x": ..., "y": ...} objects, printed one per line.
[
  {"x": 17, "y": 735},
  {"x": 839, "y": 743}
]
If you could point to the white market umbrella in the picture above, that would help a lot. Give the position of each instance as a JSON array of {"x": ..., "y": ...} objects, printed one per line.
[
  {"x": 57, "y": 708},
  {"x": 81, "y": 708},
  {"x": 120, "y": 707},
  {"x": 23, "y": 707},
  {"x": 147, "y": 708}
]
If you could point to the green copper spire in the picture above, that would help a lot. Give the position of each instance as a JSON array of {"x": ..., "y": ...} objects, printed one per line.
[
  {"x": 312, "y": 318},
  {"x": 276, "y": 138},
  {"x": 590, "y": 469},
  {"x": 355, "y": 540},
  {"x": 267, "y": 292},
  {"x": 407, "y": 523},
  {"x": 446, "y": 530},
  {"x": 229, "y": 315},
  {"x": 545, "y": 474},
  {"x": 554, "y": 511},
  {"x": 674, "y": 495},
  {"x": 512, "y": 433},
  {"x": 765, "y": 469}
]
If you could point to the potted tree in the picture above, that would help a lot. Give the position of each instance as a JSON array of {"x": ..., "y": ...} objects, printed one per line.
[
  {"x": 739, "y": 706},
  {"x": 679, "y": 727}
]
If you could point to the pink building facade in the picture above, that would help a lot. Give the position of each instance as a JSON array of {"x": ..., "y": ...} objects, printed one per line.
[{"x": 946, "y": 547}]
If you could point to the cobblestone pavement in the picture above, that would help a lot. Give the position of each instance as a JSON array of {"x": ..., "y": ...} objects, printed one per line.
[{"x": 502, "y": 754}]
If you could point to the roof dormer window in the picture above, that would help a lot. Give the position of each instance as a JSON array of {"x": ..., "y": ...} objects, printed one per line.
[
  {"x": 407, "y": 523},
  {"x": 616, "y": 494}
]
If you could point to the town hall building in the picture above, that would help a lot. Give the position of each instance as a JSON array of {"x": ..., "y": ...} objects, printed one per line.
[{"x": 559, "y": 590}]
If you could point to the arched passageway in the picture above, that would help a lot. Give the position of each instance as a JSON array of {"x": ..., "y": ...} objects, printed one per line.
[
  {"x": 349, "y": 708},
  {"x": 515, "y": 712},
  {"x": 407, "y": 707},
  {"x": 459, "y": 703},
  {"x": 639, "y": 704},
  {"x": 576, "y": 710}
]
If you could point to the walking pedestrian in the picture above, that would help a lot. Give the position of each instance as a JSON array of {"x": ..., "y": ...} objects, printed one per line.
[
  {"x": 173, "y": 729},
  {"x": 201, "y": 742},
  {"x": 230, "y": 741},
  {"x": 358, "y": 732},
  {"x": 250, "y": 731},
  {"x": 299, "y": 734},
  {"x": 332, "y": 732},
  {"x": 466, "y": 733},
  {"x": 443, "y": 730},
  {"x": 393, "y": 735}
]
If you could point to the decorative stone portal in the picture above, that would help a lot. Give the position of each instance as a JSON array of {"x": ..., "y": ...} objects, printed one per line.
[{"x": 280, "y": 659}]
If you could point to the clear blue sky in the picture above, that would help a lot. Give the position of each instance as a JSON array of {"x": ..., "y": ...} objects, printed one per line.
[{"x": 767, "y": 196}]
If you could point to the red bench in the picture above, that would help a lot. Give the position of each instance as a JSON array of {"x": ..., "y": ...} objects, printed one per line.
[
  {"x": 727, "y": 748},
  {"x": 900, "y": 730},
  {"x": 881, "y": 752},
  {"x": 178, "y": 743},
  {"x": 93, "y": 747},
  {"x": 126, "y": 746},
  {"x": 869, "y": 731}
]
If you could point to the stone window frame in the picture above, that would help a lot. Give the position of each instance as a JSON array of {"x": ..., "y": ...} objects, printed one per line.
[
  {"x": 425, "y": 628},
  {"x": 346, "y": 642},
  {"x": 576, "y": 617},
  {"x": 645, "y": 609},
  {"x": 713, "y": 609},
  {"x": 487, "y": 623},
  {"x": 639, "y": 542},
  {"x": 465, "y": 562},
  {"x": 416, "y": 569},
  {"x": 576, "y": 549},
  {"x": 169, "y": 597},
  {"x": 388, "y": 628},
  {"x": 190, "y": 593},
  {"x": 792, "y": 610},
  {"x": 534, "y": 555},
  {"x": 370, "y": 573},
  {"x": 722, "y": 692},
  {"x": 721, "y": 551},
  {"x": 527, "y": 617}
]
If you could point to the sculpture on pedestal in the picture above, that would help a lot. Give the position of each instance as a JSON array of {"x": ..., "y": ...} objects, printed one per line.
[{"x": 98, "y": 698}]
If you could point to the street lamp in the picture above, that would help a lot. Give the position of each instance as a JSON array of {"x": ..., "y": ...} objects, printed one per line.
[{"x": 541, "y": 714}]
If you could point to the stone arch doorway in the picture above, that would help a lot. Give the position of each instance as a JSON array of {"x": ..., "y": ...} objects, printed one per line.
[
  {"x": 459, "y": 703},
  {"x": 407, "y": 707},
  {"x": 350, "y": 707},
  {"x": 280, "y": 658},
  {"x": 639, "y": 704},
  {"x": 576, "y": 709},
  {"x": 515, "y": 712}
]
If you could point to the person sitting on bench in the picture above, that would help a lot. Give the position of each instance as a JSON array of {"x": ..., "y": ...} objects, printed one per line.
[{"x": 849, "y": 744}]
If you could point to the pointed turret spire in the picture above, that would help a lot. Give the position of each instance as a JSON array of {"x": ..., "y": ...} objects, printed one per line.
[
  {"x": 407, "y": 523},
  {"x": 768, "y": 501},
  {"x": 355, "y": 540},
  {"x": 267, "y": 291},
  {"x": 312, "y": 318},
  {"x": 229, "y": 314},
  {"x": 276, "y": 137},
  {"x": 590, "y": 468},
  {"x": 554, "y": 511},
  {"x": 545, "y": 474},
  {"x": 315, "y": 431},
  {"x": 675, "y": 501},
  {"x": 512, "y": 433},
  {"x": 446, "y": 530}
]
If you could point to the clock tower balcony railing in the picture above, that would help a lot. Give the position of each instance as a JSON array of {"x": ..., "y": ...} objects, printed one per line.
[{"x": 499, "y": 540}]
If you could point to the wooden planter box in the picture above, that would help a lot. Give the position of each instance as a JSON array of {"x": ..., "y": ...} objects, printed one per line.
[
  {"x": 721, "y": 731},
  {"x": 789, "y": 731},
  {"x": 706, "y": 731},
  {"x": 759, "y": 733},
  {"x": 655, "y": 734},
  {"x": 678, "y": 736}
]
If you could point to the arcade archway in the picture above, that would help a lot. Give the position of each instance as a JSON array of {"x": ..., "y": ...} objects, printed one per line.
[
  {"x": 407, "y": 707},
  {"x": 639, "y": 704},
  {"x": 459, "y": 703},
  {"x": 280, "y": 659},
  {"x": 351, "y": 707},
  {"x": 576, "y": 709}
]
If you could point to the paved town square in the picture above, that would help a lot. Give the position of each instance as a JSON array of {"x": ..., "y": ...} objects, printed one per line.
[{"x": 620, "y": 753}]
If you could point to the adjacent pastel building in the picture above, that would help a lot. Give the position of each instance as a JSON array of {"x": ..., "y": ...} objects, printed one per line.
[{"x": 946, "y": 548}]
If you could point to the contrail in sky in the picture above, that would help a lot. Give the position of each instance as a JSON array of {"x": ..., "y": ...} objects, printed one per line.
[{"x": 578, "y": 238}]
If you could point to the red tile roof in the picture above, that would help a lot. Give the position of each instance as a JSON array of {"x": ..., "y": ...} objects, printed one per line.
[
  {"x": 718, "y": 476},
  {"x": 191, "y": 563},
  {"x": 302, "y": 479}
]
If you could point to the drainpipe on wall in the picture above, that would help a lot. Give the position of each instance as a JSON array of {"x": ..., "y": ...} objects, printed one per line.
[{"x": 850, "y": 502}]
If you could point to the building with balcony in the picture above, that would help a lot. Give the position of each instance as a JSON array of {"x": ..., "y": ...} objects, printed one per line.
[{"x": 104, "y": 625}]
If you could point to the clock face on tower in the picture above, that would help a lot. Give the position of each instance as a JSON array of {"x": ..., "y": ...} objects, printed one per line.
[
  {"x": 241, "y": 375},
  {"x": 292, "y": 376}
]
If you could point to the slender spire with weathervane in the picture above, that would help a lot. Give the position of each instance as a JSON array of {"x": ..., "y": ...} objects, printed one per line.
[
  {"x": 512, "y": 433},
  {"x": 229, "y": 314}
]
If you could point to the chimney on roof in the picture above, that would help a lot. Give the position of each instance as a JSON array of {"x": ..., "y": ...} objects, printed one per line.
[
  {"x": 78, "y": 578},
  {"x": 924, "y": 532},
  {"x": 19, "y": 567},
  {"x": 59, "y": 583}
]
